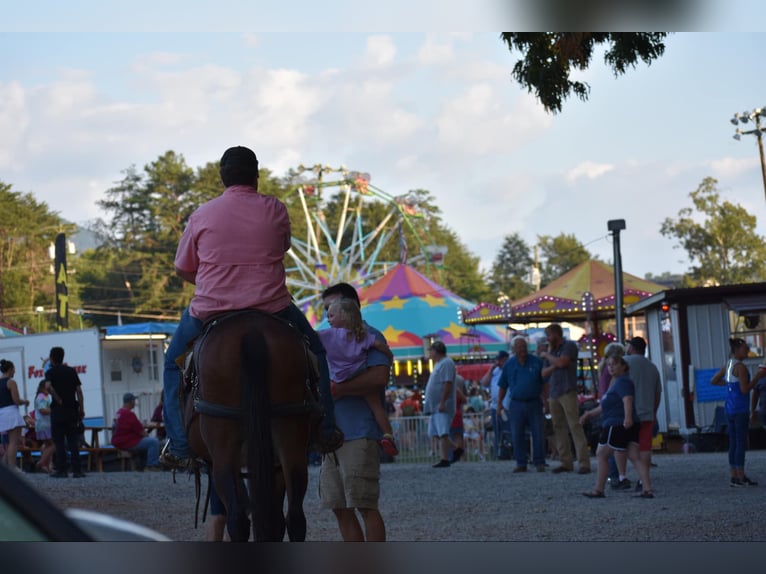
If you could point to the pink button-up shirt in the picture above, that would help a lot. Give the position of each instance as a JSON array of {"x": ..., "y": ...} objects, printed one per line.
[{"x": 235, "y": 244}]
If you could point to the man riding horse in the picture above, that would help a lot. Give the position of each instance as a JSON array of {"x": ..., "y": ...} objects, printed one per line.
[{"x": 232, "y": 251}]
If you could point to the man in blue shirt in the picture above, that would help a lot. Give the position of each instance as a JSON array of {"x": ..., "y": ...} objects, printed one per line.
[
  {"x": 349, "y": 480},
  {"x": 522, "y": 380}
]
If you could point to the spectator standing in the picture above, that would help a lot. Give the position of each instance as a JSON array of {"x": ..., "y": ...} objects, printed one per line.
[
  {"x": 440, "y": 399},
  {"x": 758, "y": 408},
  {"x": 619, "y": 428},
  {"x": 43, "y": 433},
  {"x": 560, "y": 364},
  {"x": 522, "y": 381},
  {"x": 736, "y": 377},
  {"x": 129, "y": 434},
  {"x": 490, "y": 380},
  {"x": 646, "y": 379},
  {"x": 349, "y": 479},
  {"x": 11, "y": 421},
  {"x": 456, "y": 428},
  {"x": 67, "y": 410}
]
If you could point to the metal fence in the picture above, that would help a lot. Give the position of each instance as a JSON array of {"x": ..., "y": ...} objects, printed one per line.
[{"x": 415, "y": 445}]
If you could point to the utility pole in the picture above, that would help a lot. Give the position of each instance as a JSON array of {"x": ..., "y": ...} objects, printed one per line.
[{"x": 615, "y": 226}]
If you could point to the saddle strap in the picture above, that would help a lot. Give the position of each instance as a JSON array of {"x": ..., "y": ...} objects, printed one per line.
[{"x": 281, "y": 410}]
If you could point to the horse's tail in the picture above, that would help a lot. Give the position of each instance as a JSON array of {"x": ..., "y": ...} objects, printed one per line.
[{"x": 256, "y": 391}]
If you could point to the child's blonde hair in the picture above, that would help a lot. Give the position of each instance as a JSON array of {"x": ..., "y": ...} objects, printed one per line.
[{"x": 350, "y": 316}]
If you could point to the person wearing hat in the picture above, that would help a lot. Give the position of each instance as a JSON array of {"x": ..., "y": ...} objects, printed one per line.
[
  {"x": 491, "y": 379},
  {"x": 440, "y": 400},
  {"x": 129, "y": 433},
  {"x": 232, "y": 251}
]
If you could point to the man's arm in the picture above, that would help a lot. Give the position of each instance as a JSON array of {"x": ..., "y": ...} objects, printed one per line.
[
  {"x": 446, "y": 392},
  {"x": 384, "y": 348},
  {"x": 371, "y": 380},
  {"x": 189, "y": 276},
  {"x": 80, "y": 401}
]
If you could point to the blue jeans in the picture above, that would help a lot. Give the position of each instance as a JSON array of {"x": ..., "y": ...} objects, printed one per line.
[
  {"x": 152, "y": 447},
  {"x": 190, "y": 327},
  {"x": 521, "y": 414},
  {"x": 172, "y": 414},
  {"x": 739, "y": 427}
]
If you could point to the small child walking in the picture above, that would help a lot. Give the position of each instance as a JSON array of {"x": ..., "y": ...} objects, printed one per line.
[{"x": 347, "y": 342}]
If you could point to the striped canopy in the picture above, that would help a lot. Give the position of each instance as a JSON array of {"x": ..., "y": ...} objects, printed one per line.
[
  {"x": 587, "y": 291},
  {"x": 411, "y": 311}
]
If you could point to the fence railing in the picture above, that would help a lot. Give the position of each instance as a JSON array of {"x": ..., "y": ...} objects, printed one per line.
[{"x": 415, "y": 445}]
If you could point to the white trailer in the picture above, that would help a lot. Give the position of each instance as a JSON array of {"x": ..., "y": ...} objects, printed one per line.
[{"x": 108, "y": 366}]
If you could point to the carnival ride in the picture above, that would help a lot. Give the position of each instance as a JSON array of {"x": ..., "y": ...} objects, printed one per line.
[{"x": 354, "y": 236}]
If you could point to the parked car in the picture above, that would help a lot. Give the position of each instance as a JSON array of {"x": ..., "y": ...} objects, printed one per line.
[{"x": 28, "y": 515}]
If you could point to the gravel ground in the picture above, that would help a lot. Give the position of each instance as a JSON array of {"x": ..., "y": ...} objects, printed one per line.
[{"x": 475, "y": 502}]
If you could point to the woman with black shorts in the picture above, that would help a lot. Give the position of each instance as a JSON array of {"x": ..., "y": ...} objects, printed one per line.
[{"x": 619, "y": 428}]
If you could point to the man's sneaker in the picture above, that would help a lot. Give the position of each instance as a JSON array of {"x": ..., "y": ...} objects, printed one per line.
[
  {"x": 639, "y": 486},
  {"x": 457, "y": 454},
  {"x": 624, "y": 484},
  {"x": 78, "y": 475},
  {"x": 442, "y": 464},
  {"x": 172, "y": 461},
  {"x": 734, "y": 482},
  {"x": 747, "y": 482},
  {"x": 58, "y": 475},
  {"x": 388, "y": 445}
]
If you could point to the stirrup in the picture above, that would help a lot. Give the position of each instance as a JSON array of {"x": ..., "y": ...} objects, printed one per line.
[{"x": 173, "y": 462}]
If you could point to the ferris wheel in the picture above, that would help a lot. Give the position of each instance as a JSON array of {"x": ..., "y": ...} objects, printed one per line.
[{"x": 344, "y": 229}]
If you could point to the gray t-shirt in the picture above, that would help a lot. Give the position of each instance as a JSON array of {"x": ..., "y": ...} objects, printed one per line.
[
  {"x": 646, "y": 379},
  {"x": 444, "y": 372},
  {"x": 564, "y": 380}
]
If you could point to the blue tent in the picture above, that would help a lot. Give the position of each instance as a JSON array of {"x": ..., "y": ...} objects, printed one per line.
[{"x": 150, "y": 328}]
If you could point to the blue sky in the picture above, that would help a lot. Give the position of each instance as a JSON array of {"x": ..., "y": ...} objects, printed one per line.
[{"x": 437, "y": 111}]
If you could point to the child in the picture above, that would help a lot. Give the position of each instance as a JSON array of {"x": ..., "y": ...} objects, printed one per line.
[{"x": 347, "y": 342}]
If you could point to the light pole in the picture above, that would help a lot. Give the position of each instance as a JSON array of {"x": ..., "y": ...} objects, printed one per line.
[
  {"x": 754, "y": 116},
  {"x": 615, "y": 226}
]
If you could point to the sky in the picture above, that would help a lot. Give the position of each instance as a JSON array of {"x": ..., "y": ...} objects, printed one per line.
[{"x": 414, "y": 109}]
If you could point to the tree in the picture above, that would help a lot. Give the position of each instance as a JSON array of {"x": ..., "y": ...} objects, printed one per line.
[
  {"x": 27, "y": 229},
  {"x": 511, "y": 266},
  {"x": 550, "y": 57},
  {"x": 560, "y": 254},
  {"x": 723, "y": 248}
]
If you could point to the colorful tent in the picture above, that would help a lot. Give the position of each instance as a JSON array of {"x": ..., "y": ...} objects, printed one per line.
[
  {"x": 585, "y": 292},
  {"x": 411, "y": 311},
  {"x": 8, "y": 331}
]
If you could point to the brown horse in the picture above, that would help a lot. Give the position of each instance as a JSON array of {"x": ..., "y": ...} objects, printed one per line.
[{"x": 251, "y": 405}]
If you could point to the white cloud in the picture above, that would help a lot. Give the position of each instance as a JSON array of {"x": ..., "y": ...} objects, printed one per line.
[
  {"x": 732, "y": 167},
  {"x": 480, "y": 121},
  {"x": 588, "y": 169},
  {"x": 380, "y": 51},
  {"x": 14, "y": 120},
  {"x": 433, "y": 51}
]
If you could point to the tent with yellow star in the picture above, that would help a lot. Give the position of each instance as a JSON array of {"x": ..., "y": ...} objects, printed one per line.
[{"x": 411, "y": 311}]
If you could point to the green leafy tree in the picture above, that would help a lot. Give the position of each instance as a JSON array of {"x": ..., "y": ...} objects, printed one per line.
[
  {"x": 560, "y": 254},
  {"x": 719, "y": 238},
  {"x": 550, "y": 57},
  {"x": 27, "y": 229},
  {"x": 511, "y": 267}
]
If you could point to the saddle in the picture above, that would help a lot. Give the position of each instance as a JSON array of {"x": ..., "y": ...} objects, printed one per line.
[{"x": 187, "y": 363}]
